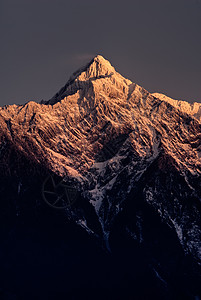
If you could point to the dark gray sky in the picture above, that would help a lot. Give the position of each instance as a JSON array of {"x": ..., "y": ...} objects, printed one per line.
[{"x": 155, "y": 43}]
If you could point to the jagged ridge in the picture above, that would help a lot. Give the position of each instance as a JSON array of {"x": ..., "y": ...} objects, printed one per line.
[{"x": 193, "y": 109}]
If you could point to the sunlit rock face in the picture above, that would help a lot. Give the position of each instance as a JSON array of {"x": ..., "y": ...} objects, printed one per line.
[
  {"x": 97, "y": 76},
  {"x": 127, "y": 150},
  {"x": 193, "y": 109}
]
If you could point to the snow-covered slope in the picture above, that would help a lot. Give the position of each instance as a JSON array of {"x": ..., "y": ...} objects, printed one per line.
[
  {"x": 116, "y": 141},
  {"x": 193, "y": 109}
]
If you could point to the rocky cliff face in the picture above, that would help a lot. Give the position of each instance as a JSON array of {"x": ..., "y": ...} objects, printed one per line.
[{"x": 133, "y": 157}]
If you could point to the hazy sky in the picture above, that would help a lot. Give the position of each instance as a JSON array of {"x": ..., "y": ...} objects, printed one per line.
[{"x": 155, "y": 43}]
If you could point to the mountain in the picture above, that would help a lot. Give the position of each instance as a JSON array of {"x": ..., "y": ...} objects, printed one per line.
[{"x": 127, "y": 161}]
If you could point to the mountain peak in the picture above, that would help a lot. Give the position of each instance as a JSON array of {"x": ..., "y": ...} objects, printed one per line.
[
  {"x": 97, "y": 67},
  {"x": 101, "y": 62},
  {"x": 100, "y": 59}
]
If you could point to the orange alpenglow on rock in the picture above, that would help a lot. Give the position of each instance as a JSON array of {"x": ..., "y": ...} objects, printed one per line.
[{"x": 109, "y": 135}]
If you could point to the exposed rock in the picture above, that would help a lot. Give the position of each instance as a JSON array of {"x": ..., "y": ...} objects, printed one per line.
[{"x": 193, "y": 109}]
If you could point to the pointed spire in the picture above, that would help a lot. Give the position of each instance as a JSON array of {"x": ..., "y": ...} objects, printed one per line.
[
  {"x": 100, "y": 67},
  {"x": 97, "y": 67}
]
